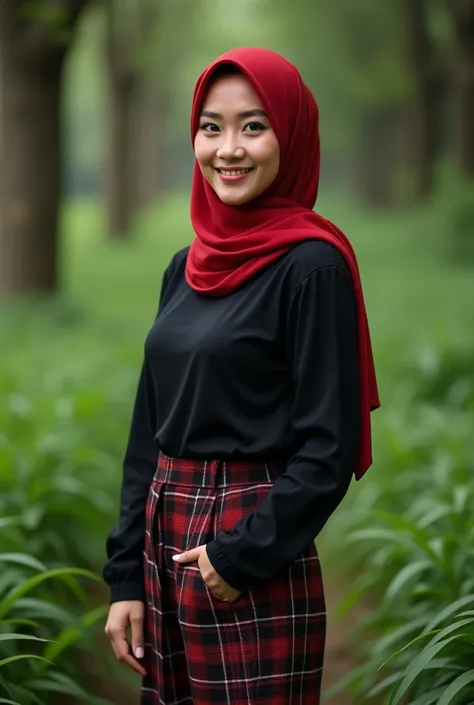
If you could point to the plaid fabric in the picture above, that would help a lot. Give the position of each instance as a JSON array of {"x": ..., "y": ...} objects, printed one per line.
[{"x": 266, "y": 648}]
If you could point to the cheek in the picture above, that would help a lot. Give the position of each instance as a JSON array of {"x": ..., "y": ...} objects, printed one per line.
[
  {"x": 202, "y": 150},
  {"x": 268, "y": 154}
]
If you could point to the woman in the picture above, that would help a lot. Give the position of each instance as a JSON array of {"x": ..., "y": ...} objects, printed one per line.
[{"x": 252, "y": 411}]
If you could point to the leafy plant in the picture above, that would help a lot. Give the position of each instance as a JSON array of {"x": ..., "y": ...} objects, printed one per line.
[
  {"x": 60, "y": 443},
  {"x": 34, "y": 632},
  {"x": 411, "y": 535}
]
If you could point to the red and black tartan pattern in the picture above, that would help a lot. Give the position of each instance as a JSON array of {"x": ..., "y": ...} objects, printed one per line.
[{"x": 266, "y": 648}]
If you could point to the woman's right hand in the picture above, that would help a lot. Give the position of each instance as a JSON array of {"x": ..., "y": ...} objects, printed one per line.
[{"x": 122, "y": 616}]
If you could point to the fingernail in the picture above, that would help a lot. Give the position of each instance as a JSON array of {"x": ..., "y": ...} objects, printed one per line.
[
  {"x": 177, "y": 557},
  {"x": 139, "y": 652}
]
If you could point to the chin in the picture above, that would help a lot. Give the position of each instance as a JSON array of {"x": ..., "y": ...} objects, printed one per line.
[{"x": 234, "y": 199}]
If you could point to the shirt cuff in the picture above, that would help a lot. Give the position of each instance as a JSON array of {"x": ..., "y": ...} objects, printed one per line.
[
  {"x": 219, "y": 558},
  {"x": 127, "y": 591}
]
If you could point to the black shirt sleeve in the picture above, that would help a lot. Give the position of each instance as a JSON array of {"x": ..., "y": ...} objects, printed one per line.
[
  {"x": 123, "y": 571},
  {"x": 321, "y": 338}
]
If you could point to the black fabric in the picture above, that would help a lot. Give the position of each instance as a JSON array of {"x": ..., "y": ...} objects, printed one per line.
[{"x": 269, "y": 372}]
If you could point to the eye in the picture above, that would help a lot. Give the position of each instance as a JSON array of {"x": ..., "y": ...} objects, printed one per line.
[
  {"x": 209, "y": 127},
  {"x": 254, "y": 127}
]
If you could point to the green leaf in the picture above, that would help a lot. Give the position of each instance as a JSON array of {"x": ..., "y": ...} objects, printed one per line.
[
  {"x": 43, "y": 610},
  {"x": 95, "y": 615},
  {"x": 453, "y": 627},
  {"x": 62, "y": 642},
  {"x": 22, "y": 559},
  {"x": 384, "y": 684},
  {"x": 403, "y": 523},
  {"x": 456, "y": 687},
  {"x": 20, "y": 622},
  {"x": 433, "y": 516},
  {"x": 380, "y": 535},
  {"x": 428, "y": 698},
  {"x": 19, "y": 637},
  {"x": 7, "y": 604},
  {"x": 449, "y": 611},
  {"x": 417, "y": 667},
  {"x": 26, "y": 695},
  {"x": 61, "y": 683},
  {"x": 388, "y": 640},
  {"x": 20, "y": 657},
  {"x": 404, "y": 576},
  {"x": 405, "y": 647},
  {"x": 9, "y": 521}
]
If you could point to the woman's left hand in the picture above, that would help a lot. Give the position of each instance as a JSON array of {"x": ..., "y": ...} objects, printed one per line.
[{"x": 212, "y": 579}]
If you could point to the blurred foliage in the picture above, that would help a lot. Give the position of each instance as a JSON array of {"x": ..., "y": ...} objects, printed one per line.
[
  {"x": 60, "y": 436},
  {"x": 349, "y": 55},
  {"x": 411, "y": 534},
  {"x": 460, "y": 222}
]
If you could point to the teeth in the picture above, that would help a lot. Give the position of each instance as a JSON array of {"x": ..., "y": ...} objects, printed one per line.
[{"x": 234, "y": 172}]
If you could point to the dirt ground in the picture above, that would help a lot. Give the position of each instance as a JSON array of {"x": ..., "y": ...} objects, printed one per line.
[{"x": 339, "y": 659}]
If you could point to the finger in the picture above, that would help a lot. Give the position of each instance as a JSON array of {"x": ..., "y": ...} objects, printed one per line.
[
  {"x": 122, "y": 651},
  {"x": 114, "y": 649},
  {"x": 132, "y": 663},
  {"x": 228, "y": 594},
  {"x": 138, "y": 642},
  {"x": 189, "y": 556},
  {"x": 234, "y": 597}
]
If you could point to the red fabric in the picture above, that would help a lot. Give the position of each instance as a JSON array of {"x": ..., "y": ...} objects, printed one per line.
[
  {"x": 233, "y": 243},
  {"x": 268, "y": 646}
]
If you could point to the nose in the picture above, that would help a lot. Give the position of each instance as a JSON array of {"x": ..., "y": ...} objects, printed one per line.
[{"x": 229, "y": 148}]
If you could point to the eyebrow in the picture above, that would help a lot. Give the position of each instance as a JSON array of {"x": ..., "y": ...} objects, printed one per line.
[{"x": 256, "y": 112}]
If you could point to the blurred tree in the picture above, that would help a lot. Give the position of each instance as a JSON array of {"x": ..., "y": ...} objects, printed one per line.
[
  {"x": 35, "y": 36},
  {"x": 462, "y": 15},
  {"x": 132, "y": 169},
  {"x": 85, "y": 107},
  {"x": 353, "y": 57},
  {"x": 428, "y": 90}
]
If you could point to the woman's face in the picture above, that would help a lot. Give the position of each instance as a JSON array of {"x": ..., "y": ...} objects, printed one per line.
[{"x": 235, "y": 145}]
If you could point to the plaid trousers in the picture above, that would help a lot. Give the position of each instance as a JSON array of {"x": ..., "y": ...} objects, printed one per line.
[{"x": 267, "y": 648}]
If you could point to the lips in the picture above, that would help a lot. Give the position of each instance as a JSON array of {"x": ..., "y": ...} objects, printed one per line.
[
  {"x": 234, "y": 172},
  {"x": 233, "y": 176}
]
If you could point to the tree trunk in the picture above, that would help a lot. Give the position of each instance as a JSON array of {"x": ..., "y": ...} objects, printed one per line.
[
  {"x": 427, "y": 82},
  {"x": 377, "y": 157},
  {"x": 133, "y": 170},
  {"x": 150, "y": 108},
  {"x": 462, "y": 12},
  {"x": 148, "y": 157},
  {"x": 31, "y": 67},
  {"x": 31, "y": 174},
  {"x": 118, "y": 173},
  {"x": 123, "y": 81}
]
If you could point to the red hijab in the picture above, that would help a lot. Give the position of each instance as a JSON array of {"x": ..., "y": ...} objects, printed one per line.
[{"x": 233, "y": 243}]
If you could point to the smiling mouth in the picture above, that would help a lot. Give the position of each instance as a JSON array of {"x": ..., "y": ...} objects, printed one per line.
[{"x": 234, "y": 172}]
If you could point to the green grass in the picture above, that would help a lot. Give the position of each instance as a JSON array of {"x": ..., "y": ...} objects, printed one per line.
[{"x": 121, "y": 280}]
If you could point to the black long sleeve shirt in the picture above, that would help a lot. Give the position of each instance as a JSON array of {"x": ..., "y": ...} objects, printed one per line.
[{"x": 268, "y": 372}]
